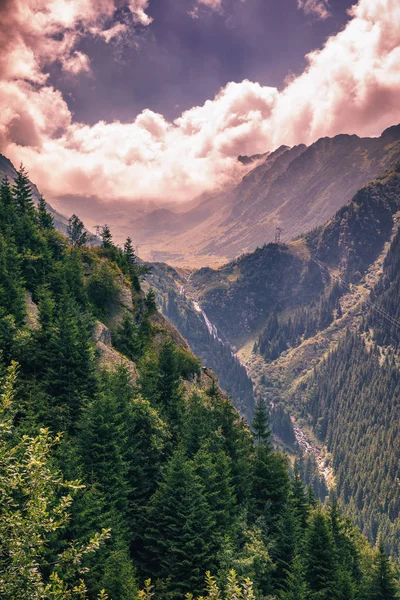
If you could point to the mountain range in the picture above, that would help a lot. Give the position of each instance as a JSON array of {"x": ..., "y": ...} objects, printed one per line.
[{"x": 295, "y": 188}]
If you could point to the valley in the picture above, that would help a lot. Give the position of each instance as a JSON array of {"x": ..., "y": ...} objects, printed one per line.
[{"x": 293, "y": 282}]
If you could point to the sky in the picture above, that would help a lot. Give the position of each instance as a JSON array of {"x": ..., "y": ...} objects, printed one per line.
[{"x": 135, "y": 100}]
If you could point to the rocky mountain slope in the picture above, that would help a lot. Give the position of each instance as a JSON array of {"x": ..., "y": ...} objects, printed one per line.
[
  {"x": 172, "y": 299},
  {"x": 295, "y": 188},
  {"x": 316, "y": 322}
]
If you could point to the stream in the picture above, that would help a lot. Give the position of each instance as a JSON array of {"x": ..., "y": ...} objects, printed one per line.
[{"x": 300, "y": 436}]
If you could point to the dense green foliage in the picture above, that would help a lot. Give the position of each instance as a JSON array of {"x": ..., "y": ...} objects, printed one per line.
[
  {"x": 361, "y": 434},
  {"x": 281, "y": 334},
  {"x": 167, "y": 467}
]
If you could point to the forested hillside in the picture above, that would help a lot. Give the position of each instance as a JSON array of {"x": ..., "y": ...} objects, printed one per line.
[
  {"x": 121, "y": 460},
  {"x": 321, "y": 323}
]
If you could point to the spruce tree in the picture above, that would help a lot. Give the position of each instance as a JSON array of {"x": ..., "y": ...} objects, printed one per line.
[
  {"x": 22, "y": 191},
  {"x": 45, "y": 219},
  {"x": 299, "y": 499},
  {"x": 214, "y": 469},
  {"x": 384, "y": 584},
  {"x": 179, "y": 528},
  {"x": 102, "y": 440},
  {"x": 133, "y": 266},
  {"x": 127, "y": 338},
  {"x": 150, "y": 301},
  {"x": 69, "y": 376},
  {"x": 321, "y": 573},
  {"x": 295, "y": 587},
  {"x": 12, "y": 285},
  {"x": 270, "y": 478},
  {"x": 260, "y": 424},
  {"x": 106, "y": 237},
  {"x": 168, "y": 385}
]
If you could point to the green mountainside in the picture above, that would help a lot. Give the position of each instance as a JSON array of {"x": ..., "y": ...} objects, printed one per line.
[
  {"x": 316, "y": 323},
  {"x": 121, "y": 461}
]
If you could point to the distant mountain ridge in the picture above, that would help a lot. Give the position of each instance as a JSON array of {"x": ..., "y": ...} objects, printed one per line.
[{"x": 296, "y": 188}]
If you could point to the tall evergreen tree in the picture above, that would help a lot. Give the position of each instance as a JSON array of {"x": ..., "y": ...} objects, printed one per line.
[
  {"x": 22, "y": 191},
  {"x": 260, "y": 424},
  {"x": 296, "y": 586},
  {"x": 150, "y": 301},
  {"x": 321, "y": 573},
  {"x": 168, "y": 386},
  {"x": 299, "y": 500},
  {"x": 46, "y": 221},
  {"x": 127, "y": 338},
  {"x": 106, "y": 237},
  {"x": 133, "y": 266},
  {"x": 214, "y": 469},
  {"x": 384, "y": 584},
  {"x": 69, "y": 376},
  {"x": 179, "y": 529}
]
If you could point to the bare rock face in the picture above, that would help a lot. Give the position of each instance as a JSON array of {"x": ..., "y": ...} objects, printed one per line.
[
  {"x": 32, "y": 317},
  {"x": 109, "y": 358},
  {"x": 125, "y": 297},
  {"x": 102, "y": 334}
]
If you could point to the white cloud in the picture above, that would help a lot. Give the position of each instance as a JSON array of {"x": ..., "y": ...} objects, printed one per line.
[{"x": 350, "y": 85}]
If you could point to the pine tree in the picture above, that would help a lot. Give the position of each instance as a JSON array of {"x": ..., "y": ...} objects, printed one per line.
[
  {"x": 45, "y": 219},
  {"x": 383, "y": 585},
  {"x": 76, "y": 232},
  {"x": 295, "y": 587},
  {"x": 150, "y": 301},
  {"x": 106, "y": 237},
  {"x": 179, "y": 530},
  {"x": 12, "y": 285},
  {"x": 299, "y": 499},
  {"x": 260, "y": 424},
  {"x": 102, "y": 440},
  {"x": 127, "y": 338},
  {"x": 133, "y": 266},
  {"x": 321, "y": 574},
  {"x": 69, "y": 375},
  {"x": 214, "y": 469},
  {"x": 168, "y": 385},
  {"x": 22, "y": 192}
]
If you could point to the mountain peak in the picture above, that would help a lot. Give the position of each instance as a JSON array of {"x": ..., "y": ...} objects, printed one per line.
[{"x": 392, "y": 132}]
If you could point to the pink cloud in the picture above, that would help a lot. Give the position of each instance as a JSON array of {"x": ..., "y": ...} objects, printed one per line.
[
  {"x": 351, "y": 84},
  {"x": 318, "y": 8}
]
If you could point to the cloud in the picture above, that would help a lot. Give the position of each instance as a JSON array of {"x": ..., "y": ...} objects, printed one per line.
[
  {"x": 352, "y": 84},
  {"x": 317, "y": 8},
  {"x": 213, "y": 4}
]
